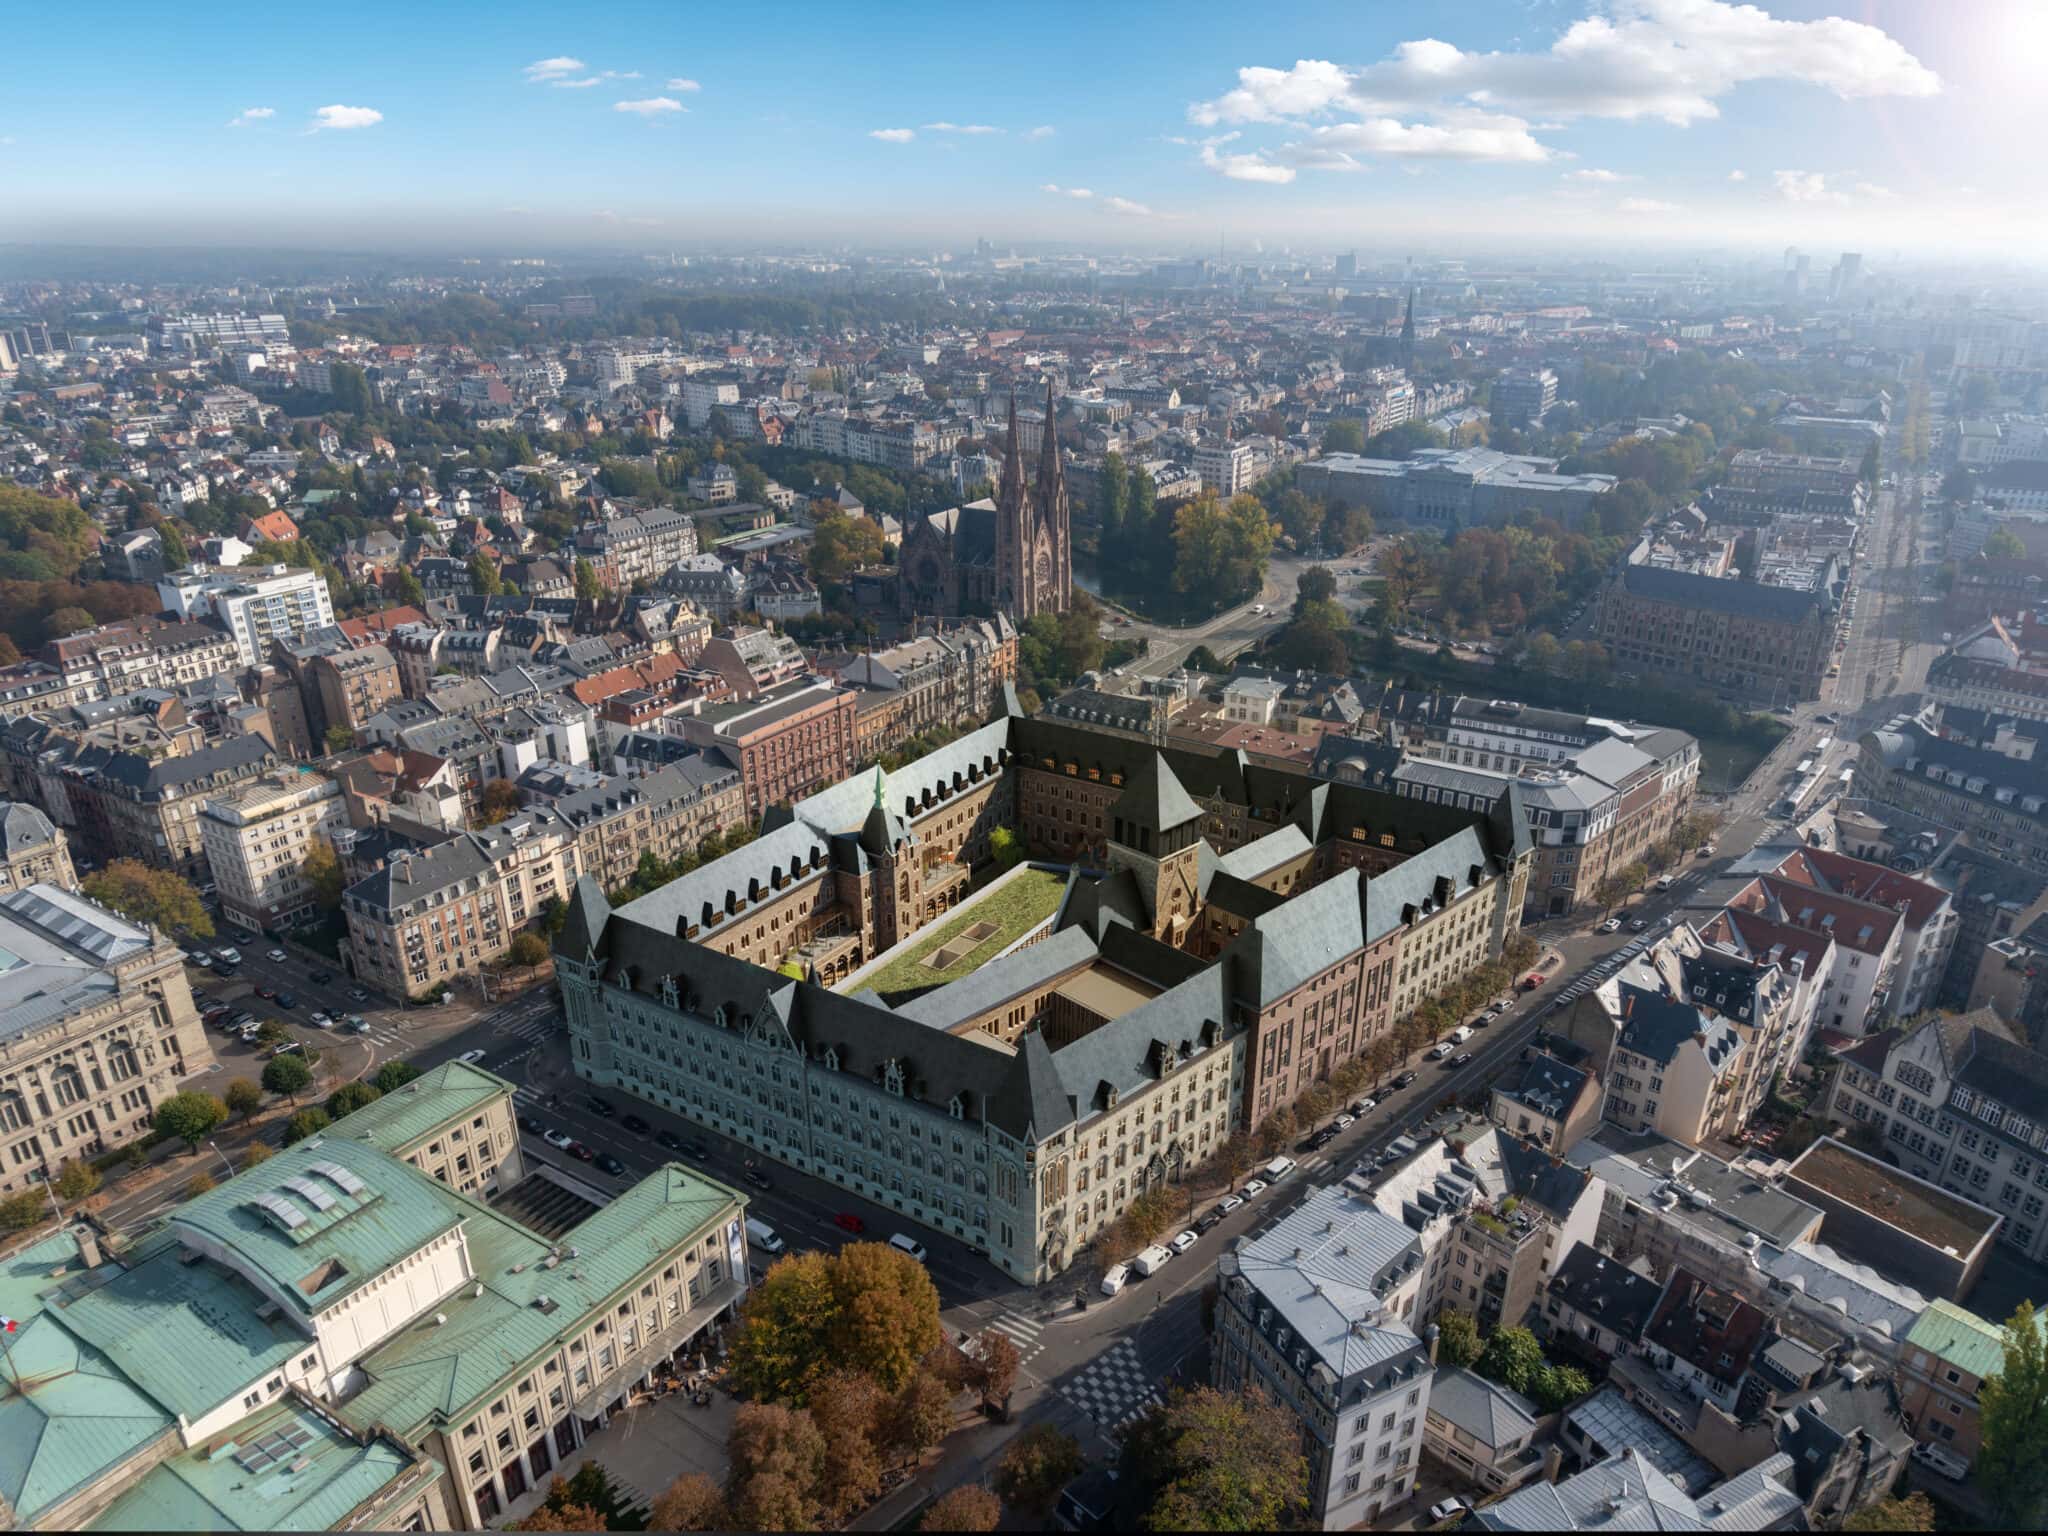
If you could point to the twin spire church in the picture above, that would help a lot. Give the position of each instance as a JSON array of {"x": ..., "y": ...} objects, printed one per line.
[{"x": 1013, "y": 555}]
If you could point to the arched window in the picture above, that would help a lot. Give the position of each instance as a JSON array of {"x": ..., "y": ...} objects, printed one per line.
[
  {"x": 67, "y": 1086},
  {"x": 13, "y": 1111}
]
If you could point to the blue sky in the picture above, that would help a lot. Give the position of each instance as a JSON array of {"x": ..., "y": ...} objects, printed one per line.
[{"x": 1887, "y": 123}]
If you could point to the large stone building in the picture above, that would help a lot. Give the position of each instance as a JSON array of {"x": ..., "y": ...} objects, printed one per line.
[
  {"x": 336, "y": 1340},
  {"x": 1012, "y": 555},
  {"x": 32, "y": 848},
  {"x": 129, "y": 806},
  {"x": 789, "y": 741},
  {"x": 256, "y": 838},
  {"x": 99, "y": 1030},
  {"x": 1454, "y": 488},
  {"x": 1063, "y": 1057},
  {"x": 1771, "y": 644}
]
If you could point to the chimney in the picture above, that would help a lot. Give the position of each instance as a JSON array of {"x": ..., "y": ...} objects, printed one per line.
[
  {"x": 1553, "y": 1461},
  {"x": 88, "y": 1246},
  {"x": 1432, "y": 1336}
]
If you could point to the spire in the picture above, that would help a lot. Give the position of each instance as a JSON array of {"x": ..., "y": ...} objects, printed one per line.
[
  {"x": 1013, "y": 460},
  {"x": 1049, "y": 472},
  {"x": 881, "y": 785}
]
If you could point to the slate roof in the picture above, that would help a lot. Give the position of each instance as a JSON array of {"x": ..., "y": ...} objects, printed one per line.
[
  {"x": 1154, "y": 798},
  {"x": 1658, "y": 1026},
  {"x": 1607, "y": 1291},
  {"x": 1546, "y": 1085},
  {"x": 1745, "y": 599},
  {"x": 1626, "y": 1493},
  {"x": 1485, "y": 1410},
  {"x": 238, "y": 757},
  {"x": 23, "y": 829}
]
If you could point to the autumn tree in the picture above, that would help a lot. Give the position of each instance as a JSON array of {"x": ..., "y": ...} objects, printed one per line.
[
  {"x": 527, "y": 949},
  {"x": 1277, "y": 1131},
  {"x": 970, "y": 1507},
  {"x": 842, "y": 543},
  {"x": 692, "y": 1502},
  {"x": 256, "y": 1152},
  {"x": 2012, "y": 1466},
  {"x": 1233, "y": 1156},
  {"x": 992, "y": 1371},
  {"x": 499, "y": 800},
  {"x": 148, "y": 895},
  {"x": 1213, "y": 1461},
  {"x": 918, "y": 1416},
  {"x": 1913, "y": 1512},
  {"x": 848, "y": 1409},
  {"x": 866, "y": 1308},
  {"x": 775, "y": 1461},
  {"x": 1036, "y": 1466},
  {"x": 321, "y": 869},
  {"x": 243, "y": 1097},
  {"x": 189, "y": 1116}
]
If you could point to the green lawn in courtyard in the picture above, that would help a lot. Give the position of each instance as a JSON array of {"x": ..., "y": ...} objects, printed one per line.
[{"x": 1027, "y": 900}]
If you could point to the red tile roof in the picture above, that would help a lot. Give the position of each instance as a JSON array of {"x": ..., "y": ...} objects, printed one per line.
[{"x": 1847, "y": 876}]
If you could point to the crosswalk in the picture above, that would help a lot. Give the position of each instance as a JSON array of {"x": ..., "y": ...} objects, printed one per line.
[
  {"x": 1024, "y": 1333},
  {"x": 534, "y": 1020}
]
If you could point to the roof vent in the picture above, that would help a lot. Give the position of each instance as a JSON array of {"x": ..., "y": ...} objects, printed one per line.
[
  {"x": 440, "y": 1319},
  {"x": 476, "y": 1291}
]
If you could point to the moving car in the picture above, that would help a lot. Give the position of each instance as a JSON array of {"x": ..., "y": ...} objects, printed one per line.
[
  {"x": 232, "y": 956},
  {"x": 846, "y": 1221},
  {"x": 668, "y": 1140},
  {"x": 321, "y": 1021},
  {"x": 277, "y": 956},
  {"x": 358, "y": 995},
  {"x": 1181, "y": 1242},
  {"x": 636, "y": 1125},
  {"x": 287, "y": 1000},
  {"x": 903, "y": 1243},
  {"x": 560, "y": 1140},
  {"x": 763, "y": 1236},
  {"x": 1113, "y": 1278},
  {"x": 319, "y": 978},
  {"x": 756, "y": 1177},
  {"x": 609, "y": 1164},
  {"x": 1612, "y": 925},
  {"x": 580, "y": 1152},
  {"x": 471, "y": 1057},
  {"x": 1665, "y": 882},
  {"x": 1462, "y": 1059},
  {"x": 358, "y": 1024},
  {"x": 244, "y": 936},
  {"x": 1532, "y": 981}
]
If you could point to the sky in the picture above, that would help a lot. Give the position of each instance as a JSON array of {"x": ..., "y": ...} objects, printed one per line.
[{"x": 1874, "y": 124}]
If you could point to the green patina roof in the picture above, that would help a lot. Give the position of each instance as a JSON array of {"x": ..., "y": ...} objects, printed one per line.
[
  {"x": 1962, "y": 1338},
  {"x": 67, "y": 1414},
  {"x": 346, "y": 1238},
  {"x": 430, "y": 1372},
  {"x": 192, "y": 1332},
  {"x": 402, "y": 1120},
  {"x": 194, "y": 1492}
]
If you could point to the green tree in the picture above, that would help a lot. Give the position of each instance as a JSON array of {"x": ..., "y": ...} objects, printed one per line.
[
  {"x": 1344, "y": 437},
  {"x": 2003, "y": 544},
  {"x": 151, "y": 896},
  {"x": 307, "y": 1122},
  {"x": 1213, "y": 1461},
  {"x": 595, "y": 1489},
  {"x": 1913, "y": 1512},
  {"x": 404, "y": 588},
  {"x": 349, "y": 1098},
  {"x": 322, "y": 871},
  {"x": 1112, "y": 502},
  {"x": 969, "y": 1507},
  {"x": 287, "y": 1076},
  {"x": 242, "y": 1096},
  {"x": 1007, "y": 847},
  {"x": 1559, "y": 1386},
  {"x": 394, "y": 1075},
  {"x": 1458, "y": 1338},
  {"x": 484, "y": 577},
  {"x": 1221, "y": 549},
  {"x": 339, "y": 738},
  {"x": 588, "y": 588},
  {"x": 190, "y": 1117},
  {"x": 2012, "y": 1466},
  {"x": 1036, "y": 1466},
  {"x": 23, "y": 1209},
  {"x": 842, "y": 543},
  {"x": 176, "y": 556},
  {"x": 527, "y": 949},
  {"x": 76, "y": 1179},
  {"x": 1512, "y": 1357}
]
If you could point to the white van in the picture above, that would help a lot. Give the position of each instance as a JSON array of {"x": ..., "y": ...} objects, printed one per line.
[
  {"x": 907, "y": 1245},
  {"x": 762, "y": 1236},
  {"x": 1151, "y": 1260},
  {"x": 1461, "y": 1034},
  {"x": 1278, "y": 1169}
]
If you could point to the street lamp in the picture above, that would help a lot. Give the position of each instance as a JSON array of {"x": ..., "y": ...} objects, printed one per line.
[{"x": 222, "y": 1156}]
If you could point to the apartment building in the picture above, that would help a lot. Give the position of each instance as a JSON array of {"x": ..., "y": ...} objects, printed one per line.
[
  {"x": 753, "y": 660},
  {"x": 1943, "y": 1362},
  {"x": 256, "y": 838},
  {"x": 351, "y": 686},
  {"x": 118, "y": 659},
  {"x": 101, "y": 1031},
  {"x": 1991, "y": 787},
  {"x": 789, "y": 741},
  {"x": 136, "y": 807},
  {"x": 1225, "y": 467},
  {"x": 1765, "y": 642},
  {"x": 1928, "y": 924},
  {"x": 254, "y": 604},
  {"x": 1546, "y": 1102},
  {"x": 1759, "y": 469},
  {"x": 665, "y": 813},
  {"x": 1868, "y": 940},
  {"x": 32, "y": 849},
  {"x": 444, "y": 911},
  {"x": 1522, "y": 396},
  {"x": 639, "y": 546},
  {"x": 1305, "y": 1313}
]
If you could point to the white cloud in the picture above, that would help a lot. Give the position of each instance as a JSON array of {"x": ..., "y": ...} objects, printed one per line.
[
  {"x": 1871, "y": 189},
  {"x": 1738, "y": 175},
  {"x": 250, "y": 115},
  {"x": 1108, "y": 202},
  {"x": 1245, "y": 167},
  {"x": 1042, "y": 131},
  {"x": 1060, "y": 191},
  {"x": 1590, "y": 174},
  {"x": 1666, "y": 59},
  {"x": 971, "y": 128},
  {"x": 651, "y": 106},
  {"x": 1647, "y": 205},
  {"x": 893, "y": 135},
  {"x": 587, "y": 81},
  {"x": 555, "y": 68},
  {"x": 1804, "y": 187},
  {"x": 1126, "y": 206},
  {"x": 344, "y": 117},
  {"x": 682, "y": 83}
]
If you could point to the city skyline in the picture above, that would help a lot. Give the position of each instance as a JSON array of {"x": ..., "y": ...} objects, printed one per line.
[{"x": 1632, "y": 123}]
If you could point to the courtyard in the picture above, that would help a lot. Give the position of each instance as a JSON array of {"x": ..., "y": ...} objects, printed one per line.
[{"x": 977, "y": 932}]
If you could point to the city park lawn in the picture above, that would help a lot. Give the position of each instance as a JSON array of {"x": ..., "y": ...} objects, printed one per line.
[{"x": 1031, "y": 897}]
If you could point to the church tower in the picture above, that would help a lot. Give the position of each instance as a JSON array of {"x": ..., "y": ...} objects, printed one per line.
[
  {"x": 1155, "y": 832},
  {"x": 1408, "y": 335},
  {"x": 1055, "y": 583}
]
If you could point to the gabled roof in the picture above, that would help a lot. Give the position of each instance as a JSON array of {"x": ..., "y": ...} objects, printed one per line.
[{"x": 1153, "y": 797}]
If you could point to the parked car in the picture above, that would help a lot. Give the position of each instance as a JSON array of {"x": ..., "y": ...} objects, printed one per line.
[
  {"x": 266, "y": 991},
  {"x": 244, "y": 936},
  {"x": 1448, "y": 1509},
  {"x": 232, "y": 956},
  {"x": 560, "y": 1140},
  {"x": 1404, "y": 1079},
  {"x": 604, "y": 1109},
  {"x": 846, "y": 1221},
  {"x": 287, "y": 1048},
  {"x": 532, "y": 1126},
  {"x": 287, "y": 1000},
  {"x": 358, "y": 1024},
  {"x": 320, "y": 978},
  {"x": 1532, "y": 981},
  {"x": 1113, "y": 1278},
  {"x": 1612, "y": 925},
  {"x": 321, "y": 1021},
  {"x": 1181, "y": 1242},
  {"x": 636, "y": 1125},
  {"x": 1343, "y": 1120},
  {"x": 580, "y": 1152},
  {"x": 1363, "y": 1107},
  {"x": 608, "y": 1164},
  {"x": 1438, "y": 1051},
  {"x": 1228, "y": 1204},
  {"x": 277, "y": 956},
  {"x": 1207, "y": 1222},
  {"x": 1945, "y": 1463},
  {"x": 1462, "y": 1059},
  {"x": 1637, "y": 925},
  {"x": 1322, "y": 1138},
  {"x": 1253, "y": 1190},
  {"x": 358, "y": 995}
]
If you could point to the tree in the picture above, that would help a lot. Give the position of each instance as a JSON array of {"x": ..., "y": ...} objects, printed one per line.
[
  {"x": 1559, "y": 1386},
  {"x": 588, "y": 588},
  {"x": 270, "y": 1032},
  {"x": 198, "y": 1184},
  {"x": 394, "y": 1075},
  {"x": 257, "y": 1152},
  {"x": 992, "y": 1369},
  {"x": 1213, "y": 1461},
  {"x": 404, "y": 588},
  {"x": 499, "y": 800},
  {"x": 775, "y": 1466},
  {"x": 484, "y": 577},
  {"x": 322, "y": 871},
  {"x": 1913, "y": 1512},
  {"x": 288, "y": 1075},
  {"x": 307, "y": 1122},
  {"x": 2003, "y": 544},
  {"x": 1202, "y": 659},
  {"x": 842, "y": 543},
  {"x": 2012, "y": 1466},
  {"x": 1457, "y": 1341},
  {"x": 556, "y": 1513},
  {"x": 1112, "y": 502},
  {"x": 1277, "y": 1131},
  {"x": 970, "y": 1507},
  {"x": 76, "y": 1179},
  {"x": 848, "y": 1407},
  {"x": 339, "y": 738},
  {"x": 1512, "y": 1357},
  {"x": 176, "y": 556},
  {"x": 692, "y": 1502},
  {"x": 349, "y": 1098},
  {"x": 189, "y": 1116},
  {"x": 528, "y": 949},
  {"x": 1344, "y": 437},
  {"x": 1007, "y": 847},
  {"x": 592, "y": 1488},
  {"x": 1234, "y": 1155},
  {"x": 22, "y": 1210},
  {"x": 1036, "y": 1466},
  {"x": 151, "y": 896},
  {"x": 917, "y": 1418},
  {"x": 866, "y": 1308}
]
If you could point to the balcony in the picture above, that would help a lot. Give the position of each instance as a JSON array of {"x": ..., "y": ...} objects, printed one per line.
[{"x": 588, "y": 1402}]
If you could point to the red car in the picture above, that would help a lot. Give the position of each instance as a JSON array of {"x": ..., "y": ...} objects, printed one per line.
[
  {"x": 850, "y": 1222},
  {"x": 266, "y": 991},
  {"x": 580, "y": 1152},
  {"x": 1532, "y": 981}
]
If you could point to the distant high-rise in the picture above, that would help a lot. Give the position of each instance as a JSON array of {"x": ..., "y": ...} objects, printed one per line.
[
  {"x": 1848, "y": 272},
  {"x": 1347, "y": 264},
  {"x": 1798, "y": 268},
  {"x": 1408, "y": 335}
]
